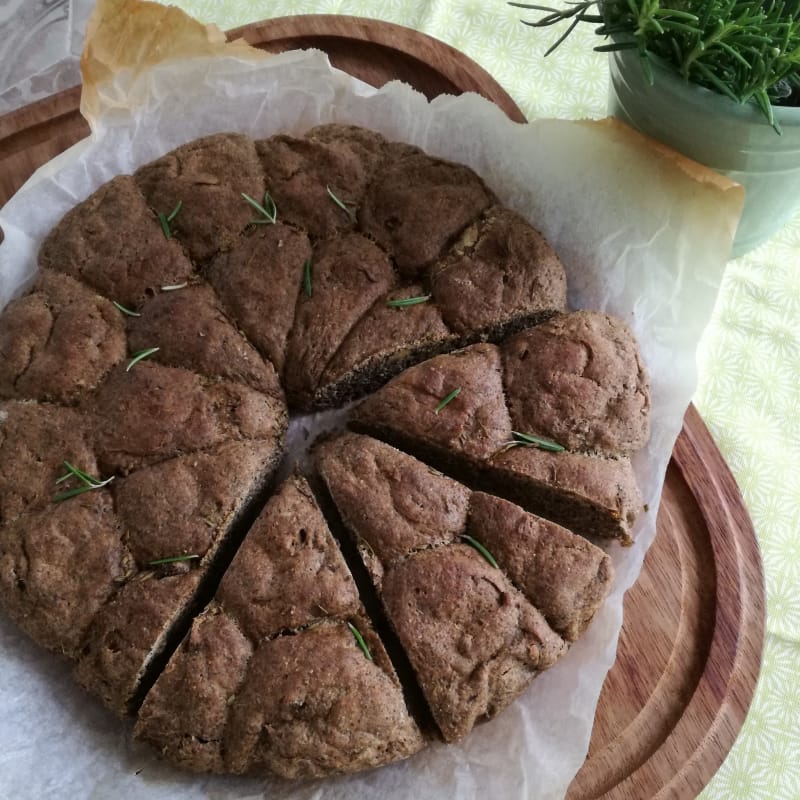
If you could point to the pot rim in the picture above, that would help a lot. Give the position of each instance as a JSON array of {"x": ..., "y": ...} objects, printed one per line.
[{"x": 667, "y": 78}]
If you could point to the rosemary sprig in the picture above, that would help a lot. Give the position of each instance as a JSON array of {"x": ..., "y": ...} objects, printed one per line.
[
  {"x": 747, "y": 50},
  {"x": 89, "y": 483},
  {"x": 537, "y": 441},
  {"x": 73, "y": 471},
  {"x": 137, "y": 357},
  {"x": 174, "y": 287},
  {"x": 124, "y": 310},
  {"x": 268, "y": 209},
  {"x": 307, "y": 278},
  {"x": 171, "y": 560},
  {"x": 59, "y": 498},
  {"x": 403, "y": 302},
  {"x": 480, "y": 548},
  {"x": 445, "y": 400},
  {"x": 165, "y": 219},
  {"x": 343, "y": 205},
  {"x": 360, "y": 639}
]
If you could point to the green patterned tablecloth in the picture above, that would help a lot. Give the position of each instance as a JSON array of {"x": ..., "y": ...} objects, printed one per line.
[{"x": 749, "y": 392}]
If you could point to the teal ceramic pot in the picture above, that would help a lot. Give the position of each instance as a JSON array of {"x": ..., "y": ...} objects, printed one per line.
[{"x": 710, "y": 128}]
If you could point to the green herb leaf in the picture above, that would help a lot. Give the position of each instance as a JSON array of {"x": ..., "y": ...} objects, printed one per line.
[
  {"x": 171, "y": 560},
  {"x": 480, "y": 548},
  {"x": 174, "y": 287},
  {"x": 746, "y": 50},
  {"x": 268, "y": 209},
  {"x": 175, "y": 211},
  {"x": 140, "y": 355},
  {"x": 165, "y": 219},
  {"x": 124, "y": 310},
  {"x": 403, "y": 302},
  {"x": 343, "y": 205},
  {"x": 89, "y": 483},
  {"x": 445, "y": 400},
  {"x": 307, "y": 278},
  {"x": 59, "y": 498},
  {"x": 73, "y": 471},
  {"x": 537, "y": 441},
  {"x": 360, "y": 639}
]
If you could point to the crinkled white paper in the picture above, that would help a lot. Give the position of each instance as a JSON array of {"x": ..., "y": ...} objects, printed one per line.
[{"x": 641, "y": 234}]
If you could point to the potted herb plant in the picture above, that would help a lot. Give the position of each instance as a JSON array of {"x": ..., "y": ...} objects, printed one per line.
[{"x": 717, "y": 80}]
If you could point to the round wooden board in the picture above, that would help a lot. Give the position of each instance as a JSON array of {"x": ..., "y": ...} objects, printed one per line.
[{"x": 690, "y": 646}]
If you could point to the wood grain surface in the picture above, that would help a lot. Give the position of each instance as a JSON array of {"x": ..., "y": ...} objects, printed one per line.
[{"x": 690, "y": 646}]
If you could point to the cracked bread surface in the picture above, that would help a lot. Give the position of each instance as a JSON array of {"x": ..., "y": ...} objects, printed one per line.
[
  {"x": 594, "y": 493},
  {"x": 232, "y": 308},
  {"x": 285, "y": 685},
  {"x": 59, "y": 341}
]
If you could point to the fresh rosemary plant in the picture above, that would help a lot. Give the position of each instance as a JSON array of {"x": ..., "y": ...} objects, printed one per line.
[{"x": 748, "y": 50}]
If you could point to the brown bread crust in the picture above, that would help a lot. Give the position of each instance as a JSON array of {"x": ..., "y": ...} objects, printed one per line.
[
  {"x": 410, "y": 506},
  {"x": 191, "y": 330},
  {"x": 185, "y": 504},
  {"x": 185, "y": 713},
  {"x": 417, "y": 205},
  {"x": 564, "y": 576},
  {"x": 258, "y": 282},
  {"x": 348, "y": 275},
  {"x": 592, "y": 493},
  {"x": 276, "y": 694},
  {"x": 501, "y": 270},
  {"x": 314, "y": 705},
  {"x": 35, "y": 440},
  {"x": 299, "y": 173},
  {"x": 59, "y": 341},
  {"x": 381, "y": 344},
  {"x": 289, "y": 571},
  {"x": 474, "y": 641},
  {"x": 58, "y": 567},
  {"x": 475, "y": 423},
  {"x": 208, "y": 176},
  {"x": 113, "y": 243},
  {"x": 270, "y": 676},
  {"x": 130, "y": 630},
  {"x": 579, "y": 379},
  {"x": 151, "y": 412}
]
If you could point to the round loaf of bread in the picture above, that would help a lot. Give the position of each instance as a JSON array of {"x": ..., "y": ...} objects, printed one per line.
[{"x": 342, "y": 619}]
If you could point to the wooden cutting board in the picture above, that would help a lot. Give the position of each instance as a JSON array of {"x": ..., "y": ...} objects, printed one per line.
[{"x": 690, "y": 647}]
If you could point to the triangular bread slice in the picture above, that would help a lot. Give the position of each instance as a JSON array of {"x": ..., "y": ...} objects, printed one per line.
[
  {"x": 273, "y": 677},
  {"x": 104, "y": 574},
  {"x": 190, "y": 328},
  {"x": 413, "y": 507},
  {"x": 58, "y": 341},
  {"x": 460, "y": 411},
  {"x": 475, "y": 641},
  {"x": 114, "y": 243},
  {"x": 177, "y": 517},
  {"x": 146, "y": 412},
  {"x": 205, "y": 180}
]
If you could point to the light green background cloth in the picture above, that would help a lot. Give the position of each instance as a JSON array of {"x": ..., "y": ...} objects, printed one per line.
[{"x": 749, "y": 392}]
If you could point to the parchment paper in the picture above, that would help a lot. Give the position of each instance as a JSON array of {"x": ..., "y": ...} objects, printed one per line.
[{"x": 642, "y": 232}]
